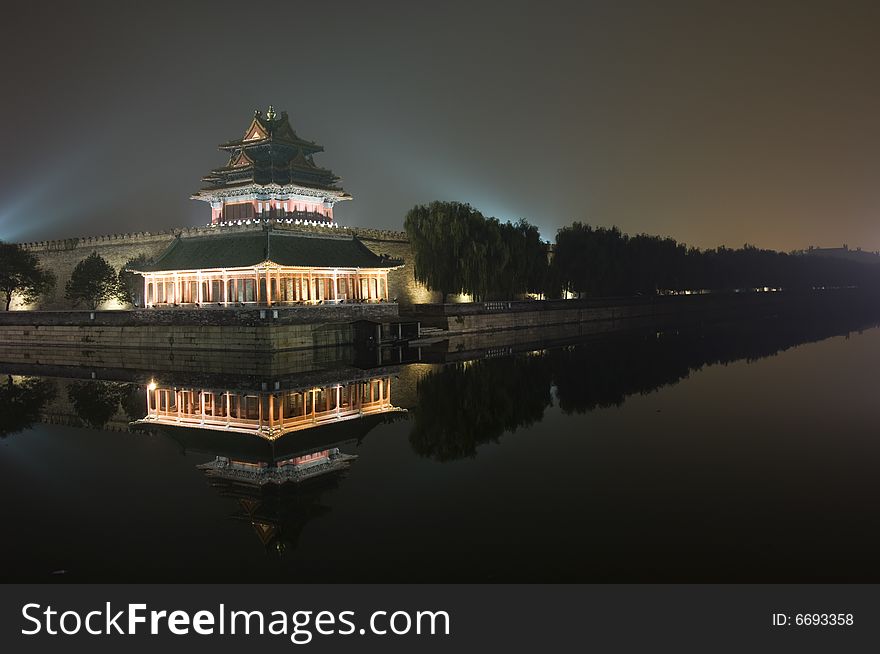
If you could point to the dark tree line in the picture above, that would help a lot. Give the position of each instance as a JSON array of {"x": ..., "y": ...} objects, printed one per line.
[
  {"x": 458, "y": 250},
  {"x": 598, "y": 261}
]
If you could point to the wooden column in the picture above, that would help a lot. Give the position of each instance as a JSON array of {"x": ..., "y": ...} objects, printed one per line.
[
  {"x": 272, "y": 409},
  {"x": 268, "y": 289}
]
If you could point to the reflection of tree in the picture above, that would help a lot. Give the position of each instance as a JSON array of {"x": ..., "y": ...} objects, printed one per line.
[
  {"x": 464, "y": 405},
  {"x": 22, "y": 402},
  {"x": 135, "y": 402},
  {"x": 603, "y": 374},
  {"x": 95, "y": 402}
]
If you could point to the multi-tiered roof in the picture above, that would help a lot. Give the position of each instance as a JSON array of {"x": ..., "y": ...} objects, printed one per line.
[{"x": 271, "y": 152}]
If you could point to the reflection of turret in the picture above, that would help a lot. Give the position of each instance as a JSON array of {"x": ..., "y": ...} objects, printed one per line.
[
  {"x": 277, "y": 514},
  {"x": 267, "y": 413},
  {"x": 274, "y": 451},
  {"x": 295, "y": 469}
]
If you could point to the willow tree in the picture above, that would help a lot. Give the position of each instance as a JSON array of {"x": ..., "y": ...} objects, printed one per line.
[
  {"x": 21, "y": 274},
  {"x": 457, "y": 249},
  {"x": 527, "y": 256},
  {"x": 442, "y": 237}
]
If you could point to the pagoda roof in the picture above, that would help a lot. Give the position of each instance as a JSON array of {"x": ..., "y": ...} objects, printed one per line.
[
  {"x": 271, "y": 152},
  {"x": 235, "y": 249},
  {"x": 271, "y": 127}
]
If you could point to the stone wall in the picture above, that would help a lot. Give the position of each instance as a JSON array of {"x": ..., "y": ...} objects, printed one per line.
[
  {"x": 183, "y": 366},
  {"x": 149, "y": 338},
  {"x": 614, "y": 313},
  {"x": 207, "y": 316},
  {"x": 401, "y": 282},
  {"x": 61, "y": 256}
]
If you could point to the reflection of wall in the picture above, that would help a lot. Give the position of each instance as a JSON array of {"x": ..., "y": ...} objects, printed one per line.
[
  {"x": 185, "y": 337},
  {"x": 406, "y": 384},
  {"x": 141, "y": 362},
  {"x": 62, "y": 411}
]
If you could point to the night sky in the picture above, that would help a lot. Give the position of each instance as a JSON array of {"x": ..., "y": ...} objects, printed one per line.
[{"x": 712, "y": 122}]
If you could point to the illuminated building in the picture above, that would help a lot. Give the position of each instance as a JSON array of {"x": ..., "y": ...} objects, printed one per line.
[
  {"x": 271, "y": 173},
  {"x": 266, "y": 267}
]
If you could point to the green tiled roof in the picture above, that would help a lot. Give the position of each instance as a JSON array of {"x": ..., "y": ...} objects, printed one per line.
[{"x": 240, "y": 250}]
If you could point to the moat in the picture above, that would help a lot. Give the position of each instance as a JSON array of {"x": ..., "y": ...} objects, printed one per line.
[{"x": 735, "y": 451}]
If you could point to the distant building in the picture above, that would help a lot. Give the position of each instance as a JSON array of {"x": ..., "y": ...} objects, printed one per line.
[{"x": 844, "y": 252}]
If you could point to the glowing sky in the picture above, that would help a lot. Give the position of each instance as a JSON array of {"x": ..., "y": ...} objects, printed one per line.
[{"x": 713, "y": 122}]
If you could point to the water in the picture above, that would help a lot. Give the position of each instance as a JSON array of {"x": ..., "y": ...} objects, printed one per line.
[{"x": 734, "y": 452}]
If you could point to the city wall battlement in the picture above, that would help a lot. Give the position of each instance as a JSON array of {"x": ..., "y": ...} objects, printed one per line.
[{"x": 146, "y": 237}]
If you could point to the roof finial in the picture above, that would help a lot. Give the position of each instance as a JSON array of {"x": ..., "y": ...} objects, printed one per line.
[{"x": 270, "y": 113}]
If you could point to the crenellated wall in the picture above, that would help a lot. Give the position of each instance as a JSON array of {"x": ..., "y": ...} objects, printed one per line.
[{"x": 61, "y": 256}]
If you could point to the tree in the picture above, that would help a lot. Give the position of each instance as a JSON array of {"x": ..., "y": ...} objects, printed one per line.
[
  {"x": 456, "y": 249},
  {"x": 443, "y": 245},
  {"x": 603, "y": 261},
  {"x": 23, "y": 400},
  {"x": 96, "y": 402},
  {"x": 130, "y": 285},
  {"x": 527, "y": 270},
  {"x": 93, "y": 281},
  {"x": 22, "y": 275}
]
